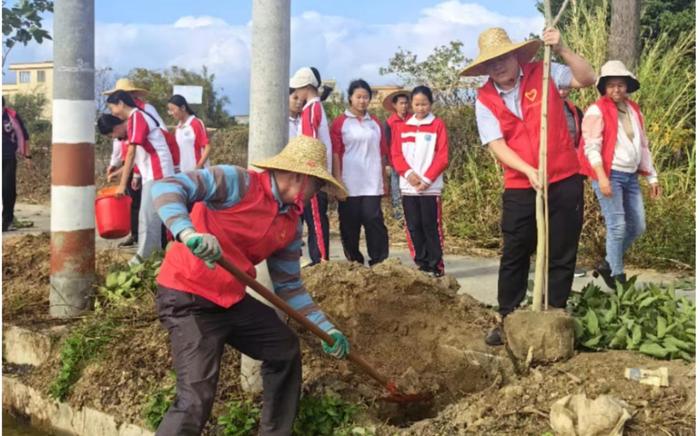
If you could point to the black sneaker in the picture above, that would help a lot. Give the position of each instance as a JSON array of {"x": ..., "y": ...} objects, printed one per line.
[
  {"x": 495, "y": 337},
  {"x": 579, "y": 272},
  {"x": 603, "y": 270},
  {"x": 620, "y": 278},
  {"x": 437, "y": 274},
  {"x": 130, "y": 241}
]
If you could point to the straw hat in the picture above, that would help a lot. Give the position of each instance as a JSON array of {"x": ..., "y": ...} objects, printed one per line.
[
  {"x": 388, "y": 103},
  {"x": 124, "y": 84},
  {"x": 616, "y": 69},
  {"x": 495, "y": 42},
  {"x": 305, "y": 155}
]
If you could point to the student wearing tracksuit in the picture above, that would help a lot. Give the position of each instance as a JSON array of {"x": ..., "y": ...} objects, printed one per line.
[
  {"x": 306, "y": 83},
  {"x": 190, "y": 134},
  {"x": 359, "y": 157},
  {"x": 150, "y": 152},
  {"x": 419, "y": 153}
]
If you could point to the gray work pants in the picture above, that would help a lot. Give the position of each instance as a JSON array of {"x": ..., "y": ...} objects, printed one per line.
[{"x": 198, "y": 331}]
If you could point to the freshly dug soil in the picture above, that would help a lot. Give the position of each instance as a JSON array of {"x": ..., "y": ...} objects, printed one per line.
[
  {"x": 412, "y": 328},
  {"x": 25, "y": 278},
  {"x": 523, "y": 406}
]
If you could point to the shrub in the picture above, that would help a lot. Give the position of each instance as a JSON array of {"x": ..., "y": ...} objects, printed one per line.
[
  {"x": 649, "y": 319},
  {"x": 83, "y": 343},
  {"x": 230, "y": 146},
  {"x": 240, "y": 419},
  {"x": 159, "y": 403}
]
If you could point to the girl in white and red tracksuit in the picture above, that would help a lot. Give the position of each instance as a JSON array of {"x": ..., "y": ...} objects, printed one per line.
[
  {"x": 359, "y": 154},
  {"x": 419, "y": 153}
]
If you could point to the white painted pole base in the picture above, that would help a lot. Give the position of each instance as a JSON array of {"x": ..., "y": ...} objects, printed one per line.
[{"x": 251, "y": 380}]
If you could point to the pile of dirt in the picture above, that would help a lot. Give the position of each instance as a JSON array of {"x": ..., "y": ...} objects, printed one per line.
[
  {"x": 410, "y": 327},
  {"x": 523, "y": 406},
  {"x": 25, "y": 278}
]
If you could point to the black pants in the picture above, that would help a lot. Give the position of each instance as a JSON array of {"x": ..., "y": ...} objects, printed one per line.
[
  {"x": 135, "y": 206},
  {"x": 317, "y": 216},
  {"x": 424, "y": 230},
  {"x": 363, "y": 211},
  {"x": 198, "y": 331},
  {"x": 9, "y": 191},
  {"x": 519, "y": 228}
]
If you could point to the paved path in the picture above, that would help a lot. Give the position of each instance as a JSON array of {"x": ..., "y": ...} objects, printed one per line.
[{"x": 477, "y": 276}]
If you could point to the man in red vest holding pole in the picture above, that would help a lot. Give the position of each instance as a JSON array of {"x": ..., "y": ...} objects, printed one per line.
[{"x": 508, "y": 115}]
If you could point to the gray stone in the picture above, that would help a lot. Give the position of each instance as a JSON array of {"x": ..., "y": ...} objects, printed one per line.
[{"x": 550, "y": 334}]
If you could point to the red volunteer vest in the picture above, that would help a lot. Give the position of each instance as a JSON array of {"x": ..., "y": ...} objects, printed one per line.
[
  {"x": 248, "y": 232},
  {"x": 523, "y": 136},
  {"x": 607, "y": 153}
]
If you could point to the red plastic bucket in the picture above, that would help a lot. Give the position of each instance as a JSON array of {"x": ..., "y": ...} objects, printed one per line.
[{"x": 113, "y": 214}]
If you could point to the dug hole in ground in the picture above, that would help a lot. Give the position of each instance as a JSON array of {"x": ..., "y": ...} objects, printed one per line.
[{"x": 411, "y": 327}]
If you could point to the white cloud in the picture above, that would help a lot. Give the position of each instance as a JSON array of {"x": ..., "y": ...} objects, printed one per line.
[{"x": 342, "y": 48}]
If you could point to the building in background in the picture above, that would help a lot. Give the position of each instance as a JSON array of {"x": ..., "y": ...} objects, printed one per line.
[{"x": 30, "y": 78}]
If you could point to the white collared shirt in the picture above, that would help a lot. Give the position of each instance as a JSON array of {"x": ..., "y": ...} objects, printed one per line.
[
  {"x": 486, "y": 121},
  {"x": 359, "y": 140}
]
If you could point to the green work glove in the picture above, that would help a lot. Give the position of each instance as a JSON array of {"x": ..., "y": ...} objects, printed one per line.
[
  {"x": 203, "y": 245},
  {"x": 341, "y": 346}
]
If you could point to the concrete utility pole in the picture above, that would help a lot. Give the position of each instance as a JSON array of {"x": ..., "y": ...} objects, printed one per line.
[
  {"x": 269, "y": 78},
  {"x": 73, "y": 159},
  {"x": 269, "y": 112}
]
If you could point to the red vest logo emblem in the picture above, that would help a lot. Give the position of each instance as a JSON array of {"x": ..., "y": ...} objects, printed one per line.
[{"x": 531, "y": 95}]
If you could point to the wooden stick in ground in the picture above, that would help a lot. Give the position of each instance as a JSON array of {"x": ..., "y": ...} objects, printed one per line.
[
  {"x": 541, "y": 285},
  {"x": 542, "y": 231}
]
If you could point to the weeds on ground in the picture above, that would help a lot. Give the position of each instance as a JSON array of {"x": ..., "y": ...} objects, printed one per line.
[
  {"x": 649, "y": 319},
  {"x": 323, "y": 416},
  {"x": 240, "y": 419},
  {"x": 83, "y": 344},
  {"x": 159, "y": 403}
]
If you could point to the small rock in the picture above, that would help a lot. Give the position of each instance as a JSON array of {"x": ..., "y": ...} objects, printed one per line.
[{"x": 513, "y": 391}]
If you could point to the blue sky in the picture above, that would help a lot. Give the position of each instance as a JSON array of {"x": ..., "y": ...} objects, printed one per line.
[{"x": 344, "y": 39}]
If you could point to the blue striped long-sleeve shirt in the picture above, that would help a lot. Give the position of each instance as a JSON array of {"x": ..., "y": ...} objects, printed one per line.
[{"x": 221, "y": 187}]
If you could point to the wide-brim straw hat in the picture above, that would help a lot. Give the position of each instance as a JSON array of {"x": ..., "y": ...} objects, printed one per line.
[
  {"x": 388, "y": 102},
  {"x": 495, "y": 42},
  {"x": 616, "y": 68},
  {"x": 305, "y": 155},
  {"x": 125, "y": 84}
]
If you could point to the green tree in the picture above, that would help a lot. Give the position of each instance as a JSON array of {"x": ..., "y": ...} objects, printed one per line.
[
  {"x": 21, "y": 24},
  {"x": 440, "y": 71},
  {"x": 160, "y": 88},
  {"x": 30, "y": 108},
  {"x": 674, "y": 17}
]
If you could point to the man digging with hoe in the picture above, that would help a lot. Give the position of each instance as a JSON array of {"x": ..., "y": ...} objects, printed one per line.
[
  {"x": 245, "y": 217},
  {"x": 512, "y": 110}
]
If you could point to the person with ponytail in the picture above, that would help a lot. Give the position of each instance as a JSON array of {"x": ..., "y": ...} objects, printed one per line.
[
  {"x": 149, "y": 151},
  {"x": 191, "y": 135},
  {"x": 359, "y": 155},
  {"x": 306, "y": 83}
]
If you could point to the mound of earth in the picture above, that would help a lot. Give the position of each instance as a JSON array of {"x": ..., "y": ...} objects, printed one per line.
[
  {"x": 25, "y": 278},
  {"x": 410, "y": 327}
]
